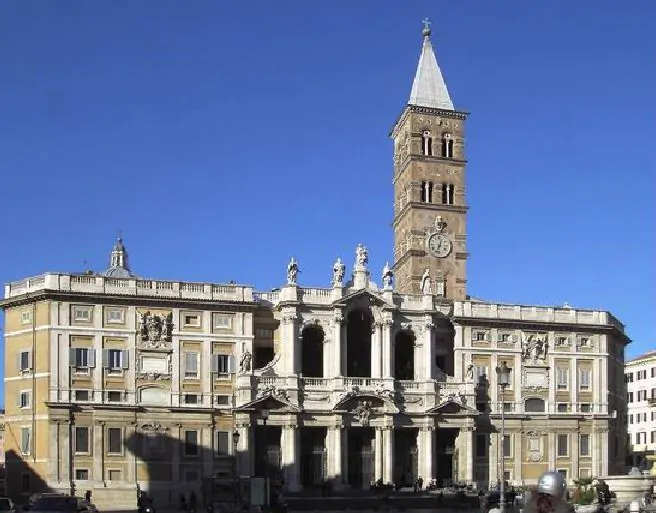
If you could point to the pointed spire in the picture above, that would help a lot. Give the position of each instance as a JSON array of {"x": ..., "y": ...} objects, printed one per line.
[
  {"x": 119, "y": 266},
  {"x": 428, "y": 87}
]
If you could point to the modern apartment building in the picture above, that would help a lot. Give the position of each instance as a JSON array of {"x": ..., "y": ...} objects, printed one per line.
[{"x": 640, "y": 377}]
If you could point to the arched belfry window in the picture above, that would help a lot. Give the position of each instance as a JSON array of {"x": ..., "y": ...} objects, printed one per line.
[
  {"x": 447, "y": 146},
  {"x": 426, "y": 143}
]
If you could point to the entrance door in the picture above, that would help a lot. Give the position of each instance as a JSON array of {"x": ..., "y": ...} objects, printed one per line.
[{"x": 360, "y": 457}]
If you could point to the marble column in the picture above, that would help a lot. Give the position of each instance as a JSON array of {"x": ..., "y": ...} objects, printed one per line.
[
  {"x": 290, "y": 343},
  {"x": 425, "y": 450},
  {"x": 466, "y": 448},
  {"x": 427, "y": 357},
  {"x": 388, "y": 453},
  {"x": 336, "y": 343},
  {"x": 376, "y": 350},
  {"x": 334, "y": 455},
  {"x": 387, "y": 356},
  {"x": 378, "y": 451},
  {"x": 290, "y": 461}
]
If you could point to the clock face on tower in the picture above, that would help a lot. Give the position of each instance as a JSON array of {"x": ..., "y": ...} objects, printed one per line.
[{"x": 439, "y": 245}]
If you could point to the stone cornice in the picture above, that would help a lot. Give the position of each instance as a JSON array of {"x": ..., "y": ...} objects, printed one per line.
[
  {"x": 414, "y": 109},
  {"x": 424, "y": 158},
  {"x": 437, "y": 207},
  {"x": 143, "y": 301},
  {"x": 534, "y": 325}
]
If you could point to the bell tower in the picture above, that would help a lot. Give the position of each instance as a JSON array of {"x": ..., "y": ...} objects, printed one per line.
[{"x": 429, "y": 186}]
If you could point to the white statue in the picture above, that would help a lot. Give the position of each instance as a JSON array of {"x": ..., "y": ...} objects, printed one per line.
[
  {"x": 338, "y": 272},
  {"x": 388, "y": 276},
  {"x": 292, "y": 272},
  {"x": 426, "y": 282},
  {"x": 470, "y": 371},
  {"x": 361, "y": 256}
]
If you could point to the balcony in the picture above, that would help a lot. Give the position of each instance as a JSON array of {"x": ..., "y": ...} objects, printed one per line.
[{"x": 415, "y": 395}]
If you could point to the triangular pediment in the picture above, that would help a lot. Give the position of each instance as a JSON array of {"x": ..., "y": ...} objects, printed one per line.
[
  {"x": 451, "y": 407},
  {"x": 269, "y": 402},
  {"x": 363, "y": 295}
]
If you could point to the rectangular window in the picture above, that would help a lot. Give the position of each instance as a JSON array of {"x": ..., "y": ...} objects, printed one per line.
[
  {"x": 115, "y": 316},
  {"x": 584, "y": 445},
  {"x": 115, "y": 360},
  {"x": 113, "y": 475},
  {"x": 191, "y": 320},
  {"x": 585, "y": 379},
  {"x": 114, "y": 440},
  {"x": 629, "y": 397},
  {"x": 562, "y": 378},
  {"x": 222, "y": 443},
  {"x": 585, "y": 407},
  {"x": 191, "y": 365},
  {"x": 82, "y": 313},
  {"x": 562, "y": 407},
  {"x": 507, "y": 447},
  {"x": 480, "y": 373},
  {"x": 81, "y": 396},
  {"x": 25, "y": 440},
  {"x": 81, "y": 474},
  {"x": 222, "y": 364},
  {"x": 24, "y": 363},
  {"x": 224, "y": 400},
  {"x": 115, "y": 396},
  {"x": 82, "y": 358},
  {"x": 191, "y": 443},
  {"x": 562, "y": 449},
  {"x": 82, "y": 442},
  {"x": 191, "y": 399},
  {"x": 26, "y": 317},
  {"x": 221, "y": 321},
  {"x": 24, "y": 399}
]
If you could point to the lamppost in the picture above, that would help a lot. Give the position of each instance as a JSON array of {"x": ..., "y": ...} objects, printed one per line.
[
  {"x": 235, "y": 444},
  {"x": 503, "y": 382}
]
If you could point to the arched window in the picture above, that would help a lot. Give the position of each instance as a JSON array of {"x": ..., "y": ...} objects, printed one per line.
[
  {"x": 426, "y": 143},
  {"x": 447, "y": 146},
  {"x": 534, "y": 405}
]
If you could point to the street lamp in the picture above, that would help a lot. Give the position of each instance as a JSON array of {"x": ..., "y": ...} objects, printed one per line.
[
  {"x": 235, "y": 444},
  {"x": 503, "y": 381}
]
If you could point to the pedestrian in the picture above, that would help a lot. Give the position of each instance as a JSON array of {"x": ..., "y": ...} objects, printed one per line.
[
  {"x": 192, "y": 502},
  {"x": 87, "y": 496}
]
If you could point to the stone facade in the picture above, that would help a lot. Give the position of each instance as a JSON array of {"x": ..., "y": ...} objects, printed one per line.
[
  {"x": 640, "y": 378},
  {"x": 115, "y": 381}
]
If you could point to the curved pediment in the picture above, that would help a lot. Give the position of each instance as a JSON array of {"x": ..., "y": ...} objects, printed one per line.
[
  {"x": 351, "y": 402},
  {"x": 452, "y": 407}
]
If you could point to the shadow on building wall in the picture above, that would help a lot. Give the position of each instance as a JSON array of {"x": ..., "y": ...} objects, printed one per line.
[{"x": 22, "y": 480}]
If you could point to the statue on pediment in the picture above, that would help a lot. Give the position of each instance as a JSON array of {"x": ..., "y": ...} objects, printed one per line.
[
  {"x": 363, "y": 413},
  {"x": 338, "y": 272},
  {"x": 292, "y": 272},
  {"x": 388, "y": 276},
  {"x": 361, "y": 256}
]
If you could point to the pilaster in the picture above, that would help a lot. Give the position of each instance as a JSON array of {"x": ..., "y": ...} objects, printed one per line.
[
  {"x": 467, "y": 448},
  {"x": 425, "y": 450},
  {"x": 98, "y": 450},
  {"x": 386, "y": 332},
  {"x": 337, "y": 344},
  {"x": 178, "y": 444},
  {"x": 334, "y": 451},
  {"x": 289, "y": 444},
  {"x": 376, "y": 350},
  {"x": 290, "y": 343},
  {"x": 388, "y": 452},
  {"x": 428, "y": 350},
  {"x": 378, "y": 451}
]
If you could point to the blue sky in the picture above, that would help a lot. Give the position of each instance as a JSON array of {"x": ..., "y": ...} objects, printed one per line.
[{"x": 224, "y": 137}]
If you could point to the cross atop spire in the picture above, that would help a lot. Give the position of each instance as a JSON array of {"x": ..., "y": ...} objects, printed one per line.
[
  {"x": 427, "y": 27},
  {"x": 428, "y": 87}
]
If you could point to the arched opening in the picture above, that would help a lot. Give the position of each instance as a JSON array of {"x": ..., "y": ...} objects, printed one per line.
[
  {"x": 358, "y": 343},
  {"x": 444, "y": 350},
  {"x": 312, "y": 339},
  {"x": 447, "y": 146},
  {"x": 404, "y": 355},
  {"x": 534, "y": 405},
  {"x": 426, "y": 143}
]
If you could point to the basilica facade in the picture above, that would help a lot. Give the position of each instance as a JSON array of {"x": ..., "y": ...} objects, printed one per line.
[{"x": 385, "y": 375}]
